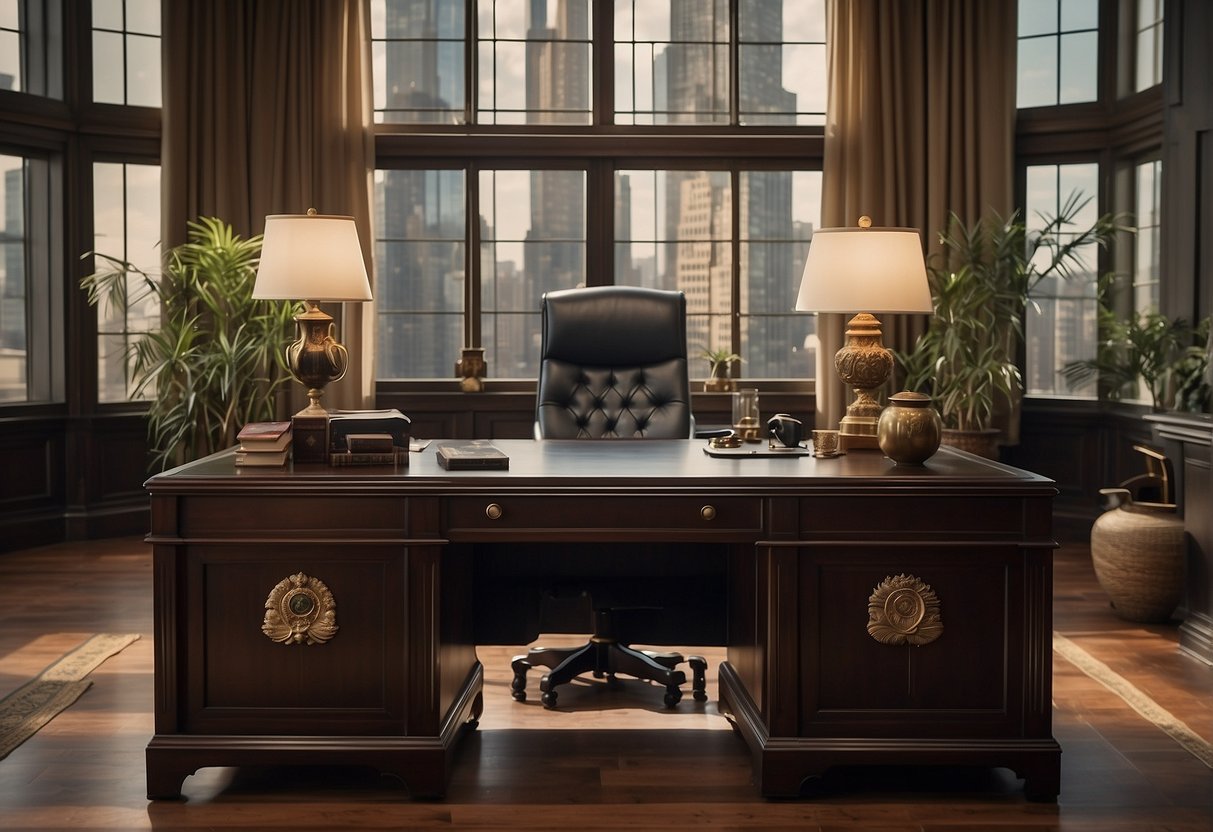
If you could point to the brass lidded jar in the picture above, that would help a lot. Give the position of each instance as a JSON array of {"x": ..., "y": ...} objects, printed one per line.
[{"x": 909, "y": 429}]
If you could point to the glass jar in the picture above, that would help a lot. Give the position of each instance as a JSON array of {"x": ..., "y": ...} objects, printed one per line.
[{"x": 745, "y": 415}]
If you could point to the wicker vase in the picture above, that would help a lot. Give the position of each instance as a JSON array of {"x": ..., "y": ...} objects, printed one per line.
[{"x": 1138, "y": 552}]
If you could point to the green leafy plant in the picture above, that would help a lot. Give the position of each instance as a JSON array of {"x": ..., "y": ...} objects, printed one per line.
[
  {"x": 981, "y": 284},
  {"x": 216, "y": 361},
  {"x": 719, "y": 361},
  {"x": 1170, "y": 356}
]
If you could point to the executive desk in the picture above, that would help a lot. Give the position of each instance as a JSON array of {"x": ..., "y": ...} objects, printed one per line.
[{"x": 872, "y": 614}]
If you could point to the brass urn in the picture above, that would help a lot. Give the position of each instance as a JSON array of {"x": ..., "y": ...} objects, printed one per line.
[{"x": 909, "y": 429}]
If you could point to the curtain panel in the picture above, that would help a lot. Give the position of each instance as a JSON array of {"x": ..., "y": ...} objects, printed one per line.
[
  {"x": 267, "y": 110},
  {"x": 920, "y": 122}
]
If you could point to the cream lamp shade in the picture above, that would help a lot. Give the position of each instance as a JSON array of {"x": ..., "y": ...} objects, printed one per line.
[
  {"x": 864, "y": 270},
  {"x": 311, "y": 257}
]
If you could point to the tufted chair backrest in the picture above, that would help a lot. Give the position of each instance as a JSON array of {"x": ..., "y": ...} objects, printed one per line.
[{"x": 613, "y": 365}]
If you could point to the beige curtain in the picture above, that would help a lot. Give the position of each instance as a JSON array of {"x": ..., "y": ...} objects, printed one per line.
[
  {"x": 267, "y": 110},
  {"x": 920, "y": 122}
]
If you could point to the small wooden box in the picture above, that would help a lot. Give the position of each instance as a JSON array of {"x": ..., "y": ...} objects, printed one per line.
[{"x": 310, "y": 442}]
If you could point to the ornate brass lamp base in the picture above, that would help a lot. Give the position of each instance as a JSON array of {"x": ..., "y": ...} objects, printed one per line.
[
  {"x": 864, "y": 364},
  {"x": 316, "y": 358}
]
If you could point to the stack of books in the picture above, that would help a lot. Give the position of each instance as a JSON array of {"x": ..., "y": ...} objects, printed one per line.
[
  {"x": 264, "y": 443},
  {"x": 369, "y": 437}
]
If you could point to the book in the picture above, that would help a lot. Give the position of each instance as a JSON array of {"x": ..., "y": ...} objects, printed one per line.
[
  {"x": 369, "y": 443},
  {"x": 264, "y": 436},
  {"x": 246, "y": 458},
  {"x": 343, "y": 423},
  {"x": 396, "y": 456},
  {"x": 471, "y": 454}
]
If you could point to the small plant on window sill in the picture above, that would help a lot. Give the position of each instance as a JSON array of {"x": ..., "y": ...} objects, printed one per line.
[
  {"x": 1169, "y": 356},
  {"x": 719, "y": 361}
]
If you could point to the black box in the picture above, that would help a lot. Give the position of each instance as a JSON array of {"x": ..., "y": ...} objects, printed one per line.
[
  {"x": 472, "y": 454},
  {"x": 310, "y": 438}
]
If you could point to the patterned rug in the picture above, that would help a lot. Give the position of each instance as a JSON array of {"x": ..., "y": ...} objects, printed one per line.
[
  {"x": 1166, "y": 721},
  {"x": 44, "y": 697}
]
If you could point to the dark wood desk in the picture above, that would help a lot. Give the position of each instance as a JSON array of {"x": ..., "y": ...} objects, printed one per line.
[{"x": 795, "y": 548}]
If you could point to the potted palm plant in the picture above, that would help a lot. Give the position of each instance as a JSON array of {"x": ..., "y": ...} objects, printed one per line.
[
  {"x": 216, "y": 361},
  {"x": 1168, "y": 356},
  {"x": 981, "y": 282}
]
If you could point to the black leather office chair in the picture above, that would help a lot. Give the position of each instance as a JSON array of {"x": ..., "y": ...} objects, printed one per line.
[{"x": 613, "y": 365}]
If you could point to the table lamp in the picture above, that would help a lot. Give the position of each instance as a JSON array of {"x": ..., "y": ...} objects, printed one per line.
[
  {"x": 313, "y": 258},
  {"x": 876, "y": 270}
]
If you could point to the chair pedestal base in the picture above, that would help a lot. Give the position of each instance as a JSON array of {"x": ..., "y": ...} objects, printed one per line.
[{"x": 604, "y": 658}]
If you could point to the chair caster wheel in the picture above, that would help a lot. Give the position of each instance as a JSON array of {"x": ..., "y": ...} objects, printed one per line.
[
  {"x": 701, "y": 696},
  {"x": 673, "y": 697},
  {"x": 519, "y": 695},
  {"x": 549, "y": 699}
]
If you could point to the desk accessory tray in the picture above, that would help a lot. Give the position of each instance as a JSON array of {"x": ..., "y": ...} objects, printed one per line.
[{"x": 750, "y": 449}]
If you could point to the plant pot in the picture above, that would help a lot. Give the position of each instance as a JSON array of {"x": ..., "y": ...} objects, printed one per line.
[
  {"x": 718, "y": 385},
  {"x": 1138, "y": 553},
  {"x": 983, "y": 442}
]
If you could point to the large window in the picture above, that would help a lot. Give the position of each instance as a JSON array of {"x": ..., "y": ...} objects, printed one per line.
[
  {"x": 29, "y": 47},
  {"x": 126, "y": 52},
  {"x": 1059, "y": 43},
  {"x": 718, "y": 199},
  {"x": 674, "y": 230},
  {"x": 126, "y": 226},
  {"x": 1147, "y": 243},
  {"x": 30, "y": 340},
  {"x": 14, "y": 309},
  {"x": 1058, "y": 52},
  {"x": 1148, "y": 42},
  {"x": 1061, "y": 324}
]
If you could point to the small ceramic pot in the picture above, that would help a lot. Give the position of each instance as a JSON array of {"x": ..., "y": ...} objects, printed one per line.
[{"x": 909, "y": 429}]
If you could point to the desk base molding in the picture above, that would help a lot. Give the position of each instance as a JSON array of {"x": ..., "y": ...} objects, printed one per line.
[
  {"x": 781, "y": 765},
  {"x": 422, "y": 763}
]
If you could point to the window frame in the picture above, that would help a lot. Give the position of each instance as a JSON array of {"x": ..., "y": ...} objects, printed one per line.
[
  {"x": 1115, "y": 131},
  {"x": 600, "y": 148}
]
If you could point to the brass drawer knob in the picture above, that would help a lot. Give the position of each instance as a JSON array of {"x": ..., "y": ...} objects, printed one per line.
[
  {"x": 708, "y": 512},
  {"x": 493, "y": 511}
]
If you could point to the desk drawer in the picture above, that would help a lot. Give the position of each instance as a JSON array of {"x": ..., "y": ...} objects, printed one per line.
[{"x": 708, "y": 515}]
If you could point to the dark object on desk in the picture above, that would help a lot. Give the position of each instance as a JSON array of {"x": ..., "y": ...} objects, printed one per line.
[
  {"x": 396, "y": 456},
  {"x": 787, "y": 430},
  {"x": 310, "y": 438},
  {"x": 475, "y": 454},
  {"x": 343, "y": 423},
  {"x": 613, "y": 364},
  {"x": 369, "y": 443}
]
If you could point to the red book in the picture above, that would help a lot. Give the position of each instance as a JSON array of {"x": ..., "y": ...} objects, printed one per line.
[{"x": 265, "y": 436}]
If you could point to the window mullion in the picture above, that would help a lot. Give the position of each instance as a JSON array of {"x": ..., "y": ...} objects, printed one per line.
[
  {"x": 602, "y": 65},
  {"x": 735, "y": 264},
  {"x": 472, "y": 328}
]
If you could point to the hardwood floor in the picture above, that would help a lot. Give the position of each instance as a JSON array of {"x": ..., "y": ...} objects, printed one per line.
[{"x": 605, "y": 760}]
